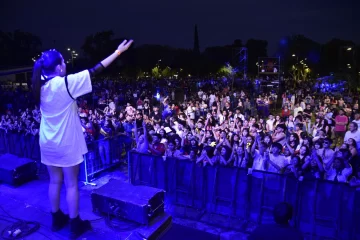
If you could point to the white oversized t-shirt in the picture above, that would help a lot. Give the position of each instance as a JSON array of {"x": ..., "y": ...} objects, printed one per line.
[{"x": 62, "y": 142}]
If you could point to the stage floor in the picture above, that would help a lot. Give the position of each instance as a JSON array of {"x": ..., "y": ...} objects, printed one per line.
[{"x": 29, "y": 202}]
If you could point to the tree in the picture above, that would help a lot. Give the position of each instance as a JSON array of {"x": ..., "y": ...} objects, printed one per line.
[
  {"x": 166, "y": 72},
  {"x": 19, "y": 48},
  {"x": 155, "y": 72},
  {"x": 97, "y": 46},
  {"x": 299, "y": 73},
  {"x": 140, "y": 73},
  {"x": 296, "y": 48}
]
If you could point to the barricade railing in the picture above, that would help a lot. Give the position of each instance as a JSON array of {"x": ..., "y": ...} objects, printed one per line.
[
  {"x": 321, "y": 208},
  {"x": 20, "y": 144},
  {"x": 102, "y": 154}
]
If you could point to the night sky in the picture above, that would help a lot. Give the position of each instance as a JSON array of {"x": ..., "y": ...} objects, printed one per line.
[{"x": 172, "y": 23}]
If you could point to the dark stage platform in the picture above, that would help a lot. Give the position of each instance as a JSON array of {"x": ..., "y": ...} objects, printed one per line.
[{"x": 29, "y": 202}]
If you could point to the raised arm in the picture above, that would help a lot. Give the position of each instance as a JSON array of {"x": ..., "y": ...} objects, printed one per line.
[
  {"x": 146, "y": 140},
  {"x": 136, "y": 133},
  {"x": 107, "y": 61}
]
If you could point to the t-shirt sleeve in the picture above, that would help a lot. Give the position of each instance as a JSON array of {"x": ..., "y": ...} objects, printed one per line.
[{"x": 79, "y": 84}]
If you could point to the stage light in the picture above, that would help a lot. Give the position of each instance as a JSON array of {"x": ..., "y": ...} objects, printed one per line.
[
  {"x": 68, "y": 49},
  {"x": 294, "y": 55},
  {"x": 349, "y": 49}
]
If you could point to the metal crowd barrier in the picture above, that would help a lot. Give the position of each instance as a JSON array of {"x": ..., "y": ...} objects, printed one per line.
[
  {"x": 321, "y": 208},
  {"x": 20, "y": 145},
  {"x": 102, "y": 154}
]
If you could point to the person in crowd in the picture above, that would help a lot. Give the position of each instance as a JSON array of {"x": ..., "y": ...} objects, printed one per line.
[
  {"x": 338, "y": 168},
  {"x": 142, "y": 141},
  {"x": 353, "y": 133},
  {"x": 341, "y": 121}
]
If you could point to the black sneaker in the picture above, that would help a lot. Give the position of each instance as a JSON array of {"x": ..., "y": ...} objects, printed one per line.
[
  {"x": 59, "y": 220},
  {"x": 78, "y": 227}
]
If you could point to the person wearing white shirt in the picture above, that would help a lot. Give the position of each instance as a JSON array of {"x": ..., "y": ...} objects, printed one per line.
[
  {"x": 353, "y": 133},
  {"x": 338, "y": 170},
  {"x": 357, "y": 120},
  {"x": 302, "y": 104},
  {"x": 275, "y": 161},
  {"x": 326, "y": 153},
  {"x": 293, "y": 99},
  {"x": 270, "y": 124},
  {"x": 62, "y": 143},
  {"x": 258, "y": 157},
  {"x": 212, "y": 99},
  {"x": 297, "y": 109}
]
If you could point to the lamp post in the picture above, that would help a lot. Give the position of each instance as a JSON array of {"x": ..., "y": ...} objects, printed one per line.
[
  {"x": 73, "y": 55},
  {"x": 297, "y": 58}
]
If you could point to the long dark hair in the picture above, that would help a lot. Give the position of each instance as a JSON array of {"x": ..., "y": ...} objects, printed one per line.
[{"x": 45, "y": 65}]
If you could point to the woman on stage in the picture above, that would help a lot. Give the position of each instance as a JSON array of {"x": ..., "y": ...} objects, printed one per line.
[{"x": 62, "y": 142}]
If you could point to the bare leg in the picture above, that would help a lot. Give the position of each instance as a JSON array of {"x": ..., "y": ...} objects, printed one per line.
[
  {"x": 72, "y": 191},
  {"x": 56, "y": 180}
]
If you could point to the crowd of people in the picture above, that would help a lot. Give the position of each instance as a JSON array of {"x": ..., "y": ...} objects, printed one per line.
[{"x": 295, "y": 132}]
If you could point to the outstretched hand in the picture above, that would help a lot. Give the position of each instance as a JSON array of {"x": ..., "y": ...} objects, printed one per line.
[{"x": 125, "y": 45}]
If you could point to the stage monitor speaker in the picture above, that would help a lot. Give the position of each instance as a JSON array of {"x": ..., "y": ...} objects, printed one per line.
[
  {"x": 16, "y": 171},
  {"x": 135, "y": 203}
]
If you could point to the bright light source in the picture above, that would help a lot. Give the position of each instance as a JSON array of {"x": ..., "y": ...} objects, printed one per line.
[
  {"x": 73, "y": 51},
  {"x": 349, "y": 49},
  {"x": 294, "y": 55},
  {"x": 68, "y": 49},
  {"x": 348, "y": 64},
  {"x": 189, "y": 75}
]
